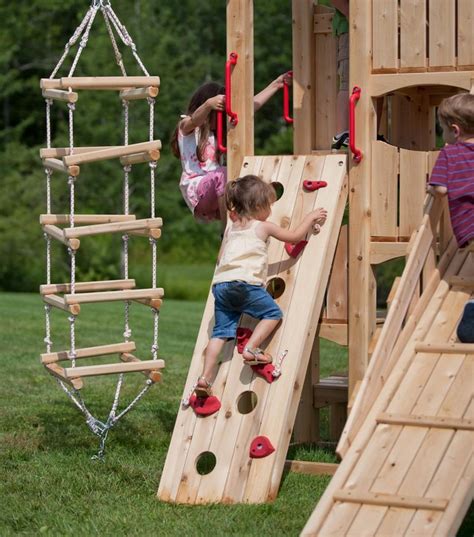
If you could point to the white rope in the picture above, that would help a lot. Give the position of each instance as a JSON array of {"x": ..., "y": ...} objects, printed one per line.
[
  {"x": 83, "y": 42},
  {"x": 118, "y": 55}
]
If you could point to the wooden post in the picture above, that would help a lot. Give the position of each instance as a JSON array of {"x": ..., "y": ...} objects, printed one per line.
[
  {"x": 303, "y": 58},
  {"x": 240, "y": 139}
]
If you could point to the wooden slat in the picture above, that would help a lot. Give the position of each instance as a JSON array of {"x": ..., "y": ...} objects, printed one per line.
[
  {"x": 58, "y": 165},
  {"x": 445, "y": 348},
  {"x": 59, "y": 152},
  {"x": 385, "y": 35},
  {"x": 459, "y": 281},
  {"x": 110, "y": 369},
  {"x": 57, "y": 233},
  {"x": 140, "y": 93},
  {"x": 58, "y": 302},
  {"x": 384, "y": 190},
  {"x": 337, "y": 332},
  {"x": 465, "y": 33},
  {"x": 60, "y": 95},
  {"x": 384, "y": 251},
  {"x": 64, "y": 219},
  {"x": 390, "y": 500},
  {"x": 442, "y": 27},
  {"x": 137, "y": 158},
  {"x": 109, "y": 296},
  {"x": 413, "y": 176},
  {"x": 113, "y": 152},
  {"x": 154, "y": 375},
  {"x": 336, "y": 297},
  {"x": 89, "y": 352},
  {"x": 100, "y": 82},
  {"x": 426, "y": 421},
  {"x": 58, "y": 372},
  {"x": 113, "y": 227},
  {"x": 311, "y": 468},
  {"x": 413, "y": 34},
  {"x": 53, "y": 288}
]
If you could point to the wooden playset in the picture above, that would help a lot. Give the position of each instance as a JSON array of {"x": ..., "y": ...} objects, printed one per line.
[
  {"x": 407, "y": 446},
  {"x": 70, "y": 228}
]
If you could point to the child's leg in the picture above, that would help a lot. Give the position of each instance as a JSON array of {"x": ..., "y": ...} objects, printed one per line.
[
  {"x": 263, "y": 329},
  {"x": 211, "y": 355},
  {"x": 210, "y": 191}
]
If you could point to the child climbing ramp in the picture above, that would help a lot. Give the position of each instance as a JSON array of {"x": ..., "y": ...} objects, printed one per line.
[{"x": 248, "y": 436}]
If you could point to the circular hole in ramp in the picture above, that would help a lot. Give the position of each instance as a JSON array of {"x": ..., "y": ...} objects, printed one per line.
[
  {"x": 205, "y": 463},
  {"x": 246, "y": 402},
  {"x": 279, "y": 189},
  {"x": 276, "y": 287}
]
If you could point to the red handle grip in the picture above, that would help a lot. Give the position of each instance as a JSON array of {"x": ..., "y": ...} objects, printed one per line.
[
  {"x": 228, "y": 88},
  {"x": 286, "y": 99},
  {"x": 220, "y": 132},
  {"x": 356, "y": 153}
]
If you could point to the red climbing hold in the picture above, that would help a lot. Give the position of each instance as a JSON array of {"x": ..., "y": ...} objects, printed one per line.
[
  {"x": 260, "y": 447},
  {"x": 243, "y": 335},
  {"x": 311, "y": 186},
  {"x": 294, "y": 250},
  {"x": 265, "y": 371},
  {"x": 204, "y": 406}
]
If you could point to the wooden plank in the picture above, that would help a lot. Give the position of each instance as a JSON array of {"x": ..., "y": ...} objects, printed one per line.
[
  {"x": 137, "y": 158},
  {"x": 387, "y": 83},
  {"x": 465, "y": 33},
  {"x": 336, "y": 297},
  {"x": 59, "y": 152},
  {"x": 385, "y": 35},
  {"x": 390, "y": 500},
  {"x": 57, "y": 233},
  {"x": 385, "y": 251},
  {"x": 88, "y": 352},
  {"x": 58, "y": 372},
  {"x": 109, "y": 296},
  {"x": 150, "y": 92},
  {"x": 58, "y": 165},
  {"x": 311, "y": 468},
  {"x": 413, "y": 178},
  {"x": 113, "y": 227},
  {"x": 442, "y": 34},
  {"x": 106, "y": 285},
  {"x": 330, "y": 390},
  {"x": 112, "y": 152},
  {"x": 154, "y": 375},
  {"x": 64, "y": 219},
  {"x": 58, "y": 302},
  {"x": 413, "y": 34},
  {"x": 337, "y": 332},
  {"x": 445, "y": 348},
  {"x": 111, "y": 369},
  {"x": 426, "y": 421},
  {"x": 458, "y": 281},
  {"x": 100, "y": 82},
  {"x": 60, "y": 95}
]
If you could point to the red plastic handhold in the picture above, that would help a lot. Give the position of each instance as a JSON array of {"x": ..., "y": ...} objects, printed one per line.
[
  {"x": 243, "y": 335},
  {"x": 260, "y": 447},
  {"x": 204, "y": 406},
  {"x": 265, "y": 371},
  {"x": 311, "y": 186},
  {"x": 294, "y": 250}
]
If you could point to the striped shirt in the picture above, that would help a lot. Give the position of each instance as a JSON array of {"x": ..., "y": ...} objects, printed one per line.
[{"x": 454, "y": 169}]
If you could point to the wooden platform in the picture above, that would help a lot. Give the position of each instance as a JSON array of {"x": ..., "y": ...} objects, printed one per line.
[
  {"x": 409, "y": 469},
  {"x": 228, "y": 434}
]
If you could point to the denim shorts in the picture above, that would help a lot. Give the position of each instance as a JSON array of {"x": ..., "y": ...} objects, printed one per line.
[{"x": 232, "y": 299}]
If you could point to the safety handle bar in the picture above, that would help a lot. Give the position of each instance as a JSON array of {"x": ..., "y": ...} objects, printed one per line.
[
  {"x": 286, "y": 99},
  {"x": 355, "y": 96},
  {"x": 234, "y": 119},
  {"x": 220, "y": 132}
]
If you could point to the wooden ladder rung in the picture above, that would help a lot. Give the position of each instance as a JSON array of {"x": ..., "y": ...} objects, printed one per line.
[
  {"x": 65, "y": 219},
  {"x": 89, "y": 352},
  {"x": 154, "y": 303},
  {"x": 110, "y": 296},
  {"x": 112, "y": 152},
  {"x": 426, "y": 421},
  {"x": 111, "y": 369},
  {"x": 139, "y": 93},
  {"x": 153, "y": 233},
  {"x": 57, "y": 233},
  {"x": 461, "y": 281},
  {"x": 58, "y": 165},
  {"x": 100, "y": 82},
  {"x": 58, "y": 302},
  {"x": 390, "y": 500},
  {"x": 60, "y": 95},
  {"x": 445, "y": 348},
  {"x": 59, "y": 152},
  {"x": 154, "y": 375},
  {"x": 106, "y": 285},
  {"x": 113, "y": 227},
  {"x": 137, "y": 158},
  {"x": 58, "y": 372}
]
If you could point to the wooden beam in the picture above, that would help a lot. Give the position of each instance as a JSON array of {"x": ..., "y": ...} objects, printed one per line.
[
  {"x": 140, "y": 93},
  {"x": 58, "y": 372},
  {"x": 106, "y": 285},
  {"x": 390, "y": 500},
  {"x": 89, "y": 352},
  {"x": 154, "y": 375},
  {"x": 112, "y": 152},
  {"x": 64, "y": 219},
  {"x": 329, "y": 391},
  {"x": 154, "y": 303},
  {"x": 100, "y": 82},
  {"x": 57, "y": 233},
  {"x": 110, "y": 296},
  {"x": 58, "y": 302},
  {"x": 384, "y": 251},
  {"x": 426, "y": 421},
  {"x": 60, "y": 95},
  {"x": 113, "y": 227},
  {"x": 110, "y": 369},
  {"x": 388, "y": 83},
  {"x": 58, "y": 165},
  {"x": 59, "y": 152},
  {"x": 137, "y": 158},
  {"x": 460, "y": 281},
  {"x": 445, "y": 348},
  {"x": 311, "y": 468},
  {"x": 153, "y": 233},
  {"x": 337, "y": 332}
]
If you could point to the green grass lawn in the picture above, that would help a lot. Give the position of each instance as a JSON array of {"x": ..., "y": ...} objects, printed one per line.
[{"x": 49, "y": 483}]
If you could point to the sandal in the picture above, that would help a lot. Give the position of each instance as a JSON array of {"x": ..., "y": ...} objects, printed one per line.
[
  {"x": 203, "y": 391},
  {"x": 256, "y": 360}
]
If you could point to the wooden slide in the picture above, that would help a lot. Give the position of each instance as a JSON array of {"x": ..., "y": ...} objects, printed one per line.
[
  {"x": 408, "y": 449},
  {"x": 251, "y": 406}
]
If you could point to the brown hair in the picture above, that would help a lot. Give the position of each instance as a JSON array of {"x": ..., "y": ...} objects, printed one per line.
[
  {"x": 458, "y": 109},
  {"x": 199, "y": 97},
  {"x": 248, "y": 195}
]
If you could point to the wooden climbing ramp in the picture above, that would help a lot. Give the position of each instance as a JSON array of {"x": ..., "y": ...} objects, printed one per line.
[
  {"x": 408, "y": 447},
  {"x": 251, "y": 407}
]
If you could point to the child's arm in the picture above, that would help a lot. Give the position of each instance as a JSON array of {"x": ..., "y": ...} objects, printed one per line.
[
  {"x": 438, "y": 183},
  {"x": 436, "y": 190},
  {"x": 261, "y": 98},
  {"x": 199, "y": 116},
  {"x": 268, "y": 229}
]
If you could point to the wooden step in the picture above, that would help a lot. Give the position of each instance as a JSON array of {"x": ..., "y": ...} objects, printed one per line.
[
  {"x": 113, "y": 227},
  {"x": 445, "y": 348},
  {"x": 80, "y": 287},
  {"x": 154, "y": 375},
  {"x": 331, "y": 390},
  {"x": 57, "y": 233},
  {"x": 137, "y": 158},
  {"x": 59, "y": 152},
  {"x": 426, "y": 421},
  {"x": 65, "y": 219},
  {"x": 139, "y": 93},
  {"x": 58, "y": 165},
  {"x": 89, "y": 352},
  {"x": 113, "y": 152},
  {"x": 111, "y": 369},
  {"x": 58, "y": 372},
  {"x": 60, "y": 95},
  {"x": 390, "y": 500},
  {"x": 100, "y": 82},
  {"x": 110, "y": 296},
  {"x": 58, "y": 302}
]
